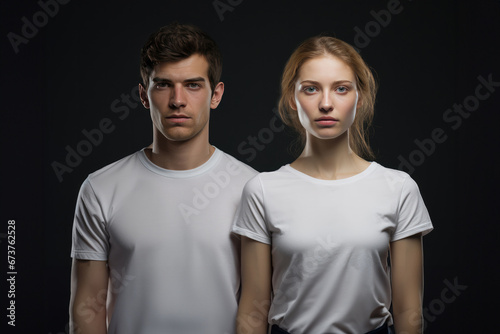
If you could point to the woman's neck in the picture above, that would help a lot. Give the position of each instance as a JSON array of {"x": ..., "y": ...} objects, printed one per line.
[{"x": 329, "y": 159}]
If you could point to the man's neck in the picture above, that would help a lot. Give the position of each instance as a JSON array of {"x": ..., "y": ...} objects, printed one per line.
[{"x": 180, "y": 155}]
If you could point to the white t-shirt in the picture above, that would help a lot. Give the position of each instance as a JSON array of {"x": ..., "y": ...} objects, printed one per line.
[
  {"x": 166, "y": 235},
  {"x": 330, "y": 243}
]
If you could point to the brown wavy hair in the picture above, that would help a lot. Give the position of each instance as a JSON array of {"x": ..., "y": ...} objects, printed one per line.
[
  {"x": 365, "y": 83},
  {"x": 175, "y": 42}
]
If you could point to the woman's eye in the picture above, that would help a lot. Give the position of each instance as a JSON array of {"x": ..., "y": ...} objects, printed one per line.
[
  {"x": 342, "y": 89},
  {"x": 310, "y": 89}
]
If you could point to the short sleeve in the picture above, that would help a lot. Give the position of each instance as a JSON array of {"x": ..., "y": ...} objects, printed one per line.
[
  {"x": 90, "y": 238},
  {"x": 413, "y": 216},
  {"x": 250, "y": 217}
]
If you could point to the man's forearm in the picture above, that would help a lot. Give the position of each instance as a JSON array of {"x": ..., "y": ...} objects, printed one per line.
[
  {"x": 409, "y": 321},
  {"x": 88, "y": 315}
]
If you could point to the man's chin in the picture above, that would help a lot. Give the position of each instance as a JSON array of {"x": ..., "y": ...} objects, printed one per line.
[{"x": 178, "y": 136}]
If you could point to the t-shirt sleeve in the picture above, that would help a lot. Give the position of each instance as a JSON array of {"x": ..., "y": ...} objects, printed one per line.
[
  {"x": 90, "y": 237},
  {"x": 413, "y": 216},
  {"x": 250, "y": 220}
]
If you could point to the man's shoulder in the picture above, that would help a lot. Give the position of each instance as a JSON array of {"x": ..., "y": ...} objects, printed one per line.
[
  {"x": 237, "y": 166},
  {"x": 115, "y": 169}
]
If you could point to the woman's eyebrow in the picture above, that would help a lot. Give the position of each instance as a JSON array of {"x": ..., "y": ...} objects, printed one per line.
[{"x": 316, "y": 82}]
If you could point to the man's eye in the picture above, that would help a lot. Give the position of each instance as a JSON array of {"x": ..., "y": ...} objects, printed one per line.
[
  {"x": 161, "y": 84},
  {"x": 194, "y": 85}
]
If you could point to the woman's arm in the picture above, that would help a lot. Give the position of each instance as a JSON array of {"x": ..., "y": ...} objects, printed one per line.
[
  {"x": 256, "y": 287},
  {"x": 407, "y": 284}
]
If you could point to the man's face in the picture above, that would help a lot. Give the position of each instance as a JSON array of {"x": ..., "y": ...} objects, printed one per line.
[{"x": 179, "y": 98}]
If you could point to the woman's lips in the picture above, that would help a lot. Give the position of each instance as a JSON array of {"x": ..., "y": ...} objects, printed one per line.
[{"x": 326, "y": 121}]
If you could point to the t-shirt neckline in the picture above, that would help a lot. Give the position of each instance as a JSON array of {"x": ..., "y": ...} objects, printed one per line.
[
  {"x": 180, "y": 174},
  {"x": 373, "y": 165}
]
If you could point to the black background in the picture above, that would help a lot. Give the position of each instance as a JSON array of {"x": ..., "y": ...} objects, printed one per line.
[{"x": 66, "y": 76}]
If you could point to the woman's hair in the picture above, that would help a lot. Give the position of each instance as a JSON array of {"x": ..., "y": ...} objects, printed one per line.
[
  {"x": 176, "y": 42},
  {"x": 365, "y": 83}
]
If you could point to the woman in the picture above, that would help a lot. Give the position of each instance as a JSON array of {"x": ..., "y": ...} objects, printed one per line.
[{"x": 316, "y": 234}]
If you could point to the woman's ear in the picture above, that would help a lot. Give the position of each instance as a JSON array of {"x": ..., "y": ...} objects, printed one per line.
[{"x": 292, "y": 104}]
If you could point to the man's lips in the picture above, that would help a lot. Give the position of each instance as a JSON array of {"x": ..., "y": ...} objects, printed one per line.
[{"x": 178, "y": 118}]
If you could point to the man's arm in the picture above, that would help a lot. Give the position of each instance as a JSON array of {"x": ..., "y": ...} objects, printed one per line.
[
  {"x": 89, "y": 288},
  {"x": 256, "y": 287},
  {"x": 407, "y": 284}
]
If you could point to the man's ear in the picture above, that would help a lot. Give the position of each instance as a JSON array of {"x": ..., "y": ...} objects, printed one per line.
[
  {"x": 217, "y": 95},
  {"x": 143, "y": 93}
]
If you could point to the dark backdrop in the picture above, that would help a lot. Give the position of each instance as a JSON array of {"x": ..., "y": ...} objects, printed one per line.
[{"x": 70, "y": 70}]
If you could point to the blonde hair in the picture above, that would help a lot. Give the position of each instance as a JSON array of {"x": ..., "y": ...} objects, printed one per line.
[{"x": 365, "y": 83}]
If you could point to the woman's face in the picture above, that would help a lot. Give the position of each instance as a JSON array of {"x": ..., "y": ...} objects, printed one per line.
[{"x": 326, "y": 97}]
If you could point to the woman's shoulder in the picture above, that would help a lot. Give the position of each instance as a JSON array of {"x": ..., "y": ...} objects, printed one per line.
[
  {"x": 389, "y": 172},
  {"x": 267, "y": 178},
  {"x": 395, "y": 179},
  {"x": 282, "y": 169}
]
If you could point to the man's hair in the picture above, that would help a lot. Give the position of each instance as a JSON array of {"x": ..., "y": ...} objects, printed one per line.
[{"x": 175, "y": 42}]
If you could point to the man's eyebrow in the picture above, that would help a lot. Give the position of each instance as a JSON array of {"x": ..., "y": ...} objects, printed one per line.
[
  {"x": 157, "y": 79},
  {"x": 197, "y": 79}
]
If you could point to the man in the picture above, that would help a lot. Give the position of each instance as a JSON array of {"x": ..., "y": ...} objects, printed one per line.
[{"x": 152, "y": 248}]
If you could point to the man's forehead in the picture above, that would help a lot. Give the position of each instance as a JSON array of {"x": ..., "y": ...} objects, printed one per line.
[{"x": 194, "y": 66}]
